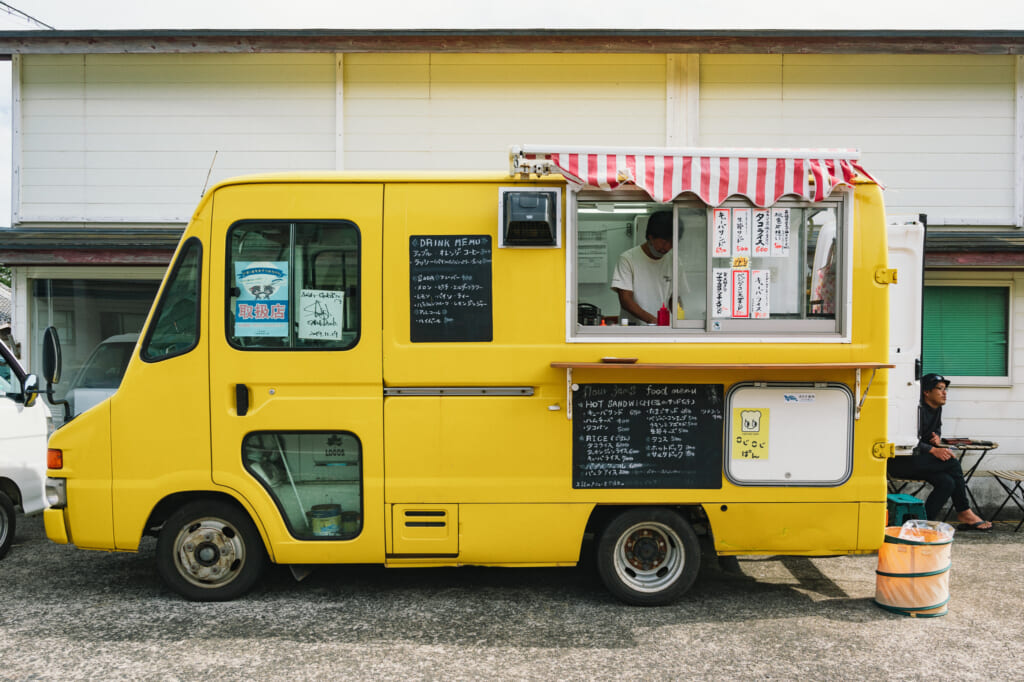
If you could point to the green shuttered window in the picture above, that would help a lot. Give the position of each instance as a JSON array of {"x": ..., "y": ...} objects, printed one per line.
[{"x": 966, "y": 330}]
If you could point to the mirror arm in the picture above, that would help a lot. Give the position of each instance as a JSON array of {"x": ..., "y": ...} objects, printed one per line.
[{"x": 67, "y": 406}]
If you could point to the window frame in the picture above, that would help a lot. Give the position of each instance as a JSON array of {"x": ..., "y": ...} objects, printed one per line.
[
  {"x": 736, "y": 331},
  {"x": 183, "y": 253},
  {"x": 973, "y": 280},
  {"x": 229, "y": 276},
  {"x": 293, "y": 529}
]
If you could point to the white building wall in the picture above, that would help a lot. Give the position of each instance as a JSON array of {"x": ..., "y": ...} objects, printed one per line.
[
  {"x": 991, "y": 412},
  {"x": 458, "y": 111},
  {"x": 938, "y": 130},
  {"x": 114, "y": 138}
]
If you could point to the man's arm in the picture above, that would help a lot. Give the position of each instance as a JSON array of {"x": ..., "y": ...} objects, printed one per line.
[{"x": 629, "y": 304}]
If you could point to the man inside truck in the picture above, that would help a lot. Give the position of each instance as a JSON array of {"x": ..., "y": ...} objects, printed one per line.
[{"x": 643, "y": 276}]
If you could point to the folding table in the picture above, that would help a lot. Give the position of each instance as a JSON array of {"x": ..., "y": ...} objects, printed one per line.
[{"x": 1013, "y": 492}]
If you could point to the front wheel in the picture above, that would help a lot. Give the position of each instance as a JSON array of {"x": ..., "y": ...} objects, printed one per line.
[
  {"x": 6, "y": 524},
  {"x": 648, "y": 556},
  {"x": 210, "y": 551}
]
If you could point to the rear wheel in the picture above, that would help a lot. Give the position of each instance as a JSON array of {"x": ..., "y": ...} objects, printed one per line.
[
  {"x": 7, "y": 524},
  {"x": 210, "y": 551},
  {"x": 648, "y": 556}
]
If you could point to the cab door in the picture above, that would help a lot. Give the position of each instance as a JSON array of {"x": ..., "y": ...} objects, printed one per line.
[{"x": 295, "y": 365}]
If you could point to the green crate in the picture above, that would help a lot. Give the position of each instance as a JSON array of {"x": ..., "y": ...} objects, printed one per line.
[{"x": 903, "y": 508}]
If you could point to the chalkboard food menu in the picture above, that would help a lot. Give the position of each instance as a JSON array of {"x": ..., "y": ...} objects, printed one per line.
[
  {"x": 647, "y": 436},
  {"x": 450, "y": 288}
]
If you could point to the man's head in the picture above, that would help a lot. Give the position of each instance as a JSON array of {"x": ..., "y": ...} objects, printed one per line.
[
  {"x": 933, "y": 389},
  {"x": 659, "y": 233}
]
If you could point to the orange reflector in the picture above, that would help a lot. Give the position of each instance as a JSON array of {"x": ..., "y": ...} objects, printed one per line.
[{"x": 54, "y": 459}]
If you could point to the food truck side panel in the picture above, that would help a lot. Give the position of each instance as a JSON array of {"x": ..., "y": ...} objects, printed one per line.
[{"x": 518, "y": 450}]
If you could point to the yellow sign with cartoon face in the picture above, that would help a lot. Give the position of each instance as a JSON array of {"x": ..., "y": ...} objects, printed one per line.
[{"x": 750, "y": 432}]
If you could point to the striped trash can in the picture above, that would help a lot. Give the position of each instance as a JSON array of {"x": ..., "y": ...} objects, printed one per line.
[{"x": 913, "y": 569}]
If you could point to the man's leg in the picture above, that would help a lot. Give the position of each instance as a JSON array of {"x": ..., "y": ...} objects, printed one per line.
[{"x": 945, "y": 477}]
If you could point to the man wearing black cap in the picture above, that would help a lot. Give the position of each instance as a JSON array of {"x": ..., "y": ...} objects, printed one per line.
[{"x": 934, "y": 463}]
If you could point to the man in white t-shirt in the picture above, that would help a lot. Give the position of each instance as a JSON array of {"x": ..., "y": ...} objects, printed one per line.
[{"x": 643, "y": 275}]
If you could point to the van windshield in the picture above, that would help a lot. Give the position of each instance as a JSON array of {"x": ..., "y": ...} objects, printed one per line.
[{"x": 106, "y": 366}]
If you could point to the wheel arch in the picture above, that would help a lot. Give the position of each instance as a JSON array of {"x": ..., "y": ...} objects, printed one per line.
[
  {"x": 604, "y": 514},
  {"x": 171, "y": 503},
  {"x": 11, "y": 489}
]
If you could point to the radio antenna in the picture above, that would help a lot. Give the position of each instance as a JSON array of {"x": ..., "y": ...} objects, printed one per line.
[{"x": 212, "y": 161}]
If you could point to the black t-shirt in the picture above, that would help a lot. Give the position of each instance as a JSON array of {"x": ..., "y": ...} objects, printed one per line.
[{"x": 929, "y": 421}]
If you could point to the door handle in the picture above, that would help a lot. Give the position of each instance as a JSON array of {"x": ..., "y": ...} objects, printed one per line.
[{"x": 241, "y": 399}]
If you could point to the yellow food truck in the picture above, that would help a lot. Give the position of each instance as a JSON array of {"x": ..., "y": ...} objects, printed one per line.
[{"x": 416, "y": 369}]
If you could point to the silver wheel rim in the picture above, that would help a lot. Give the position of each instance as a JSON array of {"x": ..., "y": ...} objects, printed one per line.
[
  {"x": 209, "y": 552},
  {"x": 649, "y": 557},
  {"x": 4, "y": 526}
]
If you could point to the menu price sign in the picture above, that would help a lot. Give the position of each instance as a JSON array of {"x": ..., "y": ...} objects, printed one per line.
[
  {"x": 647, "y": 436},
  {"x": 720, "y": 233},
  {"x": 450, "y": 288},
  {"x": 762, "y": 232},
  {"x": 760, "y": 294},
  {"x": 780, "y": 232},
  {"x": 741, "y": 232}
]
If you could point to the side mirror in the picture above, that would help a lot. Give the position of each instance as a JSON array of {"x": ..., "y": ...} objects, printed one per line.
[
  {"x": 51, "y": 369},
  {"x": 51, "y": 356},
  {"x": 31, "y": 389}
]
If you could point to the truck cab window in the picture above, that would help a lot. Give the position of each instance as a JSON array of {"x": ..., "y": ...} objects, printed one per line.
[
  {"x": 293, "y": 285},
  {"x": 175, "y": 326}
]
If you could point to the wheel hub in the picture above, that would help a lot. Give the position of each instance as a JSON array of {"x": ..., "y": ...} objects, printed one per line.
[
  {"x": 209, "y": 553},
  {"x": 645, "y": 549}
]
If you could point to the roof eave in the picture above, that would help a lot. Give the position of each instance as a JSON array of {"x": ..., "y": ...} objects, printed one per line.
[{"x": 992, "y": 42}]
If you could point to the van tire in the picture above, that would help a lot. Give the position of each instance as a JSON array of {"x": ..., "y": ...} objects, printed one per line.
[
  {"x": 7, "y": 524},
  {"x": 210, "y": 550},
  {"x": 648, "y": 556}
]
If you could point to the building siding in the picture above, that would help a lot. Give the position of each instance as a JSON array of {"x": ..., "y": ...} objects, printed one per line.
[
  {"x": 991, "y": 412},
  {"x": 937, "y": 130},
  {"x": 457, "y": 111},
  {"x": 132, "y": 138}
]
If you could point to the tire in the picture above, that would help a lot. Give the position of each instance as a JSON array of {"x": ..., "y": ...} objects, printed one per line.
[
  {"x": 648, "y": 556},
  {"x": 7, "y": 524},
  {"x": 210, "y": 550}
]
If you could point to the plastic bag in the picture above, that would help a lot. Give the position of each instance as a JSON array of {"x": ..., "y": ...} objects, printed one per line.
[{"x": 926, "y": 531}]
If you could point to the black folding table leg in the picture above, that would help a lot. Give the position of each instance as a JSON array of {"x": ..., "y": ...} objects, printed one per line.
[{"x": 1012, "y": 493}]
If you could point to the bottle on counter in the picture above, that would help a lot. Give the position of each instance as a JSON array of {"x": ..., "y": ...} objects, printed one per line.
[{"x": 663, "y": 317}]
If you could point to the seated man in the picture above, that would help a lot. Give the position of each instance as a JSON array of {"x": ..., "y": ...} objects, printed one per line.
[
  {"x": 643, "y": 276},
  {"x": 934, "y": 463}
]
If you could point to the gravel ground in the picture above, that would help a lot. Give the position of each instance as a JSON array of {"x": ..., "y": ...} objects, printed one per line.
[{"x": 71, "y": 614}]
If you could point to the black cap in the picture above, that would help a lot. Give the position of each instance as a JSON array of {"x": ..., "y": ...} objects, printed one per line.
[{"x": 929, "y": 381}]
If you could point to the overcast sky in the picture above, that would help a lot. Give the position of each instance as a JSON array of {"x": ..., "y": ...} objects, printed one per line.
[
  {"x": 678, "y": 14},
  {"x": 468, "y": 14}
]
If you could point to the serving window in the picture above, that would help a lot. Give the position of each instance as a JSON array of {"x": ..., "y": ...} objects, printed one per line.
[{"x": 695, "y": 269}]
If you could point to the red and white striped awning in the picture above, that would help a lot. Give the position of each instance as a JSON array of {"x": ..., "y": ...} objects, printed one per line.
[{"x": 761, "y": 175}]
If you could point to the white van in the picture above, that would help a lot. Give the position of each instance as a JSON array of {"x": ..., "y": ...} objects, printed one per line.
[
  {"x": 101, "y": 374},
  {"x": 25, "y": 425}
]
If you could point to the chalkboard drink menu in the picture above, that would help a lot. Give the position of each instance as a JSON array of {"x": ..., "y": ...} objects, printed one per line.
[
  {"x": 647, "y": 436},
  {"x": 450, "y": 288}
]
